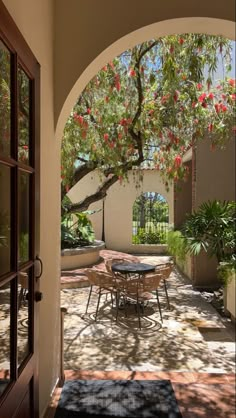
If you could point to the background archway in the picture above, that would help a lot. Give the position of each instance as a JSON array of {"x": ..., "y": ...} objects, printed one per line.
[{"x": 150, "y": 219}]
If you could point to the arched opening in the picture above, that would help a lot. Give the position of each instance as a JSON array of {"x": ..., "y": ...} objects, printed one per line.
[
  {"x": 43, "y": 42},
  {"x": 159, "y": 231},
  {"x": 150, "y": 219}
]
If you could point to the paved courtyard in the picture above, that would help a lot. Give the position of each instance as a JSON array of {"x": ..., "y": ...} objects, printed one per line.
[
  {"x": 193, "y": 336},
  {"x": 193, "y": 348}
]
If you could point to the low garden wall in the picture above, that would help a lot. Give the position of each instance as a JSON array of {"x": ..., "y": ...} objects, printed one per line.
[
  {"x": 72, "y": 258},
  {"x": 185, "y": 266},
  {"x": 149, "y": 249}
]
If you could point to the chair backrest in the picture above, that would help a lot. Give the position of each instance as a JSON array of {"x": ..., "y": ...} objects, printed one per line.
[
  {"x": 129, "y": 286},
  {"x": 100, "y": 278},
  {"x": 164, "y": 269},
  {"x": 151, "y": 281},
  {"x": 110, "y": 261}
]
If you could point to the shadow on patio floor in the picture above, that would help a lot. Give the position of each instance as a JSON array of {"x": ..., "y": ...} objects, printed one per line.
[{"x": 193, "y": 343}]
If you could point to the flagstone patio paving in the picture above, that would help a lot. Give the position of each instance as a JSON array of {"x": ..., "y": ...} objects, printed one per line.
[
  {"x": 193, "y": 347},
  {"x": 192, "y": 338}
]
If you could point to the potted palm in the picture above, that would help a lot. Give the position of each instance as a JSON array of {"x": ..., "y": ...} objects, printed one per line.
[{"x": 212, "y": 229}]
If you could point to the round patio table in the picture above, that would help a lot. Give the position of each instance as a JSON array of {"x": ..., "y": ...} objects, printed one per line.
[{"x": 133, "y": 268}]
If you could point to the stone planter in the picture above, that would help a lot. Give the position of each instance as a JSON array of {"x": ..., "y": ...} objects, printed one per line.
[{"x": 72, "y": 258}]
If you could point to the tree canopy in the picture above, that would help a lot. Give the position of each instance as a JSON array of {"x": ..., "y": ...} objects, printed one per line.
[{"x": 147, "y": 107}]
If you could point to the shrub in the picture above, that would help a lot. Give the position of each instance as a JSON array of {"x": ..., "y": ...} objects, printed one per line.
[
  {"x": 177, "y": 245},
  {"x": 78, "y": 233},
  {"x": 149, "y": 237}
]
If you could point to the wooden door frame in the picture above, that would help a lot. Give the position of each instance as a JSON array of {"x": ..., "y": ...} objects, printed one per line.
[{"x": 14, "y": 40}]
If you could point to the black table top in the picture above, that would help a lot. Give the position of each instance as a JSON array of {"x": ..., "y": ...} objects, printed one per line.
[{"x": 133, "y": 268}]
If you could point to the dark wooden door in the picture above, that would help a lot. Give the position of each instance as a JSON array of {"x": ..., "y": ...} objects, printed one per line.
[{"x": 19, "y": 223}]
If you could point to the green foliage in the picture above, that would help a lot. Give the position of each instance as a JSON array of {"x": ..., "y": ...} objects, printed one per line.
[
  {"x": 4, "y": 228},
  {"x": 152, "y": 206},
  {"x": 149, "y": 237},
  {"x": 212, "y": 228},
  {"x": 76, "y": 230},
  {"x": 153, "y": 101},
  {"x": 227, "y": 270},
  {"x": 177, "y": 246},
  {"x": 24, "y": 247}
]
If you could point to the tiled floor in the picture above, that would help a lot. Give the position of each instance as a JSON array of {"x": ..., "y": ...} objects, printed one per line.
[
  {"x": 199, "y": 395},
  {"x": 193, "y": 347}
]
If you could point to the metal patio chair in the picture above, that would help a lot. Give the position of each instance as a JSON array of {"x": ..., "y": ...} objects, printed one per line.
[
  {"x": 139, "y": 290},
  {"x": 165, "y": 271},
  {"x": 102, "y": 283}
]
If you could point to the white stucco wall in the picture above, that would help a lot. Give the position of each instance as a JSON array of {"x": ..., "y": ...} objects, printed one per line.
[
  {"x": 119, "y": 206},
  {"x": 84, "y": 188}
]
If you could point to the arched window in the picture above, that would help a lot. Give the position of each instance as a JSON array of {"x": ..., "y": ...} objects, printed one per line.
[{"x": 150, "y": 219}]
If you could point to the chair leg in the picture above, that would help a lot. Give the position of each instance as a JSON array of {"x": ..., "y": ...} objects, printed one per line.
[
  {"x": 99, "y": 297},
  {"x": 159, "y": 305},
  {"x": 125, "y": 305},
  {"x": 138, "y": 310},
  {"x": 91, "y": 288},
  {"x": 117, "y": 304},
  {"x": 167, "y": 297}
]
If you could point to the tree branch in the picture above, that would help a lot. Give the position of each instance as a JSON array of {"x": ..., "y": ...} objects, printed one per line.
[
  {"x": 98, "y": 195},
  {"x": 82, "y": 170}
]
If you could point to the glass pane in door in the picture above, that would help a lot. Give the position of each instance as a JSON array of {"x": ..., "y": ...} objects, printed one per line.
[
  {"x": 24, "y": 310},
  {"x": 23, "y": 116},
  {"x": 5, "y": 219},
  {"x": 23, "y": 216},
  {"x": 5, "y": 338},
  {"x": 5, "y": 100}
]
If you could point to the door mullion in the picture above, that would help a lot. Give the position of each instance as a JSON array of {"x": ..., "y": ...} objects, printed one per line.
[{"x": 14, "y": 216}]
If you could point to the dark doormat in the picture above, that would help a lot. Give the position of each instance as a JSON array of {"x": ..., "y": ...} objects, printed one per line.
[{"x": 118, "y": 398}]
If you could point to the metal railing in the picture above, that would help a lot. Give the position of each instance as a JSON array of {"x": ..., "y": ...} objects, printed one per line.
[{"x": 150, "y": 219}]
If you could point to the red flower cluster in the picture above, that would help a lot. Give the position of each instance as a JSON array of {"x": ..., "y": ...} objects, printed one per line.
[
  {"x": 174, "y": 139},
  {"x": 132, "y": 72},
  {"x": 125, "y": 122},
  {"x": 117, "y": 82},
  {"x": 177, "y": 161},
  {"x": 220, "y": 107},
  {"x": 232, "y": 82},
  {"x": 202, "y": 98},
  {"x": 176, "y": 95},
  {"x": 82, "y": 123},
  {"x": 165, "y": 98},
  {"x": 210, "y": 127},
  {"x": 78, "y": 118}
]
